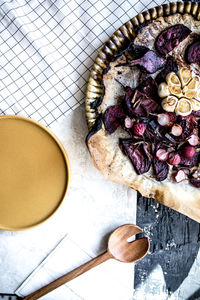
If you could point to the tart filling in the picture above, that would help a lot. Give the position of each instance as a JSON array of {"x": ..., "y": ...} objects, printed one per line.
[{"x": 162, "y": 114}]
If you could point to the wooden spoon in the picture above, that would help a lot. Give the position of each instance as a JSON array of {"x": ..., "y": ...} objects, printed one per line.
[{"x": 118, "y": 248}]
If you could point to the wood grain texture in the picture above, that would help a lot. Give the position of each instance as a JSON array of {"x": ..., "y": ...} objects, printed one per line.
[
  {"x": 118, "y": 248},
  {"x": 69, "y": 276},
  {"x": 124, "y": 251}
]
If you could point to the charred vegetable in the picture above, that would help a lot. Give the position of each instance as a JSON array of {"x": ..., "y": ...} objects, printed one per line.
[
  {"x": 138, "y": 104},
  {"x": 149, "y": 88},
  {"x": 195, "y": 178},
  {"x": 192, "y": 53},
  {"x": 160, "y": 168},
  {"x": 170, "y": 38},
  {"x": 170, "y": 66},
  {"x": 151, "y": 62},
  {"x": 138, "y": 153},
  {"x": 113, "y": 117}
]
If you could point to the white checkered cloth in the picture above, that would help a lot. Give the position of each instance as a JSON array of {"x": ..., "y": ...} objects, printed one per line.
[{"x": 47, "y": 50}]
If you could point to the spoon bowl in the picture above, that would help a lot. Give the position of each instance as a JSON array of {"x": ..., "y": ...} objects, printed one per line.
[{"x": 125, "y": 251}]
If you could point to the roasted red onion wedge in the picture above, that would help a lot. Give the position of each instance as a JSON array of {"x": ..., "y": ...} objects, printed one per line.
[
  {"x": 149, "y": 88},
  {"x": 151, "y": 62},
  {"x": 161, "y": 169},
  {"x": 138, "y": 153},
  {"x": 112, "y": 117},
  {"x": 138, "y": 104}
]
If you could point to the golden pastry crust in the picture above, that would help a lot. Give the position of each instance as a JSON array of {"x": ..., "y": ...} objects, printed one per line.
[{"x": 104, "y": 148}]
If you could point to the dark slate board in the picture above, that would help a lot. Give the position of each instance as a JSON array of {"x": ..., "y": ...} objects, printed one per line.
[{"x": 174, "y": 243}]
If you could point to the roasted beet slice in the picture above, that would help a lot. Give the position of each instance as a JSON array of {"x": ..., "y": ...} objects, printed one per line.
[
  {"x": 192, "y": 53},
  {"x": 170, "y": 66},
  {"x": 160, "y": 168},
  {"x": 135, "y": 51},
  {"x": 151, "y": 61},
  {"x": 195, "y": 178},
  {"x": 189, "y": 125},
  {"x": 138, "y": 104},
  {"x": 195, "y": 182},
  {"x": 170, "y": 38},
  {"x": 149, "y": 88},
  {"x": 113, "y": 117},
  {"x": 190, "y": 162},
  {"x": 128, "y": 105},
  {"x": 138, "y": 153},
  {"x": 196, "y": 113}
]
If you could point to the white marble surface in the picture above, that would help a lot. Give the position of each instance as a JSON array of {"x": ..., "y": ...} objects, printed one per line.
[
  {"x": 92, "y": 208},
  {"x": 45, "y": 69}
]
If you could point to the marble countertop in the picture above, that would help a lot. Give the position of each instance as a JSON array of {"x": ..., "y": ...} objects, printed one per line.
[
  {"x": 93, "y": 207},
  {"x": 48, "y": 49}
]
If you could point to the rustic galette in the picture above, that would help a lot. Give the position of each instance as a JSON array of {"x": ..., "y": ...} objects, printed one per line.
[{"x": 148, "y": 133}]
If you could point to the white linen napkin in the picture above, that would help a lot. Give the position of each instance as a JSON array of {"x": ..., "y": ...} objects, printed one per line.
[{"x": 110, "y": 280}]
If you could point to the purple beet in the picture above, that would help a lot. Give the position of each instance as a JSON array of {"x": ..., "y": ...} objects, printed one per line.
[
  {"x": 170, "y": 66},
  {"x": 189, "y": 125},
  {"x": 190, "y": 162},
  {"x": 138, "y": 153},
  {"x": 195, "y": 178},
  {"x": 161, "y": 169},
  {"x": 149, "y": 88},
  {"x": 192, "y": 53},
  {"x": 195, "y": 182},
  {"x": 151, "y": 61},
  {"x": 170, "y": 38},
  {"x": 138, "y": 104},
  {"x": 113, "y": 117}
]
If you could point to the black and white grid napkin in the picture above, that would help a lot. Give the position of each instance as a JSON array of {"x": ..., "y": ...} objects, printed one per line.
[{"x": 47, "y": 49}]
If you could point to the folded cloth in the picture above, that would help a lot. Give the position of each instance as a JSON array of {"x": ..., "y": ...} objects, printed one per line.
[
  {"x": 48, "y": 49},
  {"x": 110, "y": 280}
]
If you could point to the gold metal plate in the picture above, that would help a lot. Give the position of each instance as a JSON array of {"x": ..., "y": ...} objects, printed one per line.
[{"x": 34, "y": 173}]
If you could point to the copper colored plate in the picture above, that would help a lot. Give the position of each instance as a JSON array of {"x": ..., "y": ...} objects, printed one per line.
[
  {"x": 34, "y": 173},
  {"x": 119, "y": 41}
]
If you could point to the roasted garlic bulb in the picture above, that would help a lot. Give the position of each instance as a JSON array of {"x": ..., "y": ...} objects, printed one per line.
[{"x": 181, "y": 92}]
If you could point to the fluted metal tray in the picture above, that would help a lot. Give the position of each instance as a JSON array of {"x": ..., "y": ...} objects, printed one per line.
[{"x": 119, "y": 41}]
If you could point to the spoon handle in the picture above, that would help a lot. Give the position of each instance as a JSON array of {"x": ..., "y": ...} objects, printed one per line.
[{"x": 69, "y": 276}]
